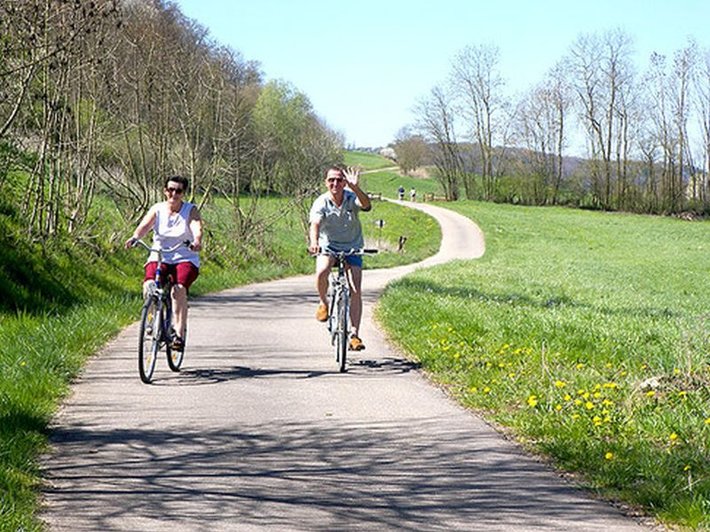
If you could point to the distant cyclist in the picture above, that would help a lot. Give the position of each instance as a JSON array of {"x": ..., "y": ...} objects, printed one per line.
[
  {"x": 334, "y": 224},
  {"x": 173, "y": 221}
]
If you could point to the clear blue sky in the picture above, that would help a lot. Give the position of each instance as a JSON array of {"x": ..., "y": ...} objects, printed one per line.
[{"x": 364, "y": 64}]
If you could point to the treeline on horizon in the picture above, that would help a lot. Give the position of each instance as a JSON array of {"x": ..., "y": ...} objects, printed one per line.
[
  {"x": 647, "y": 133},
  {"x": 101, "y": 100}
]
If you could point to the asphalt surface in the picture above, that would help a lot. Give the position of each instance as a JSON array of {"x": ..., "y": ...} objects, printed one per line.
[{"x": 260, "y": 431}]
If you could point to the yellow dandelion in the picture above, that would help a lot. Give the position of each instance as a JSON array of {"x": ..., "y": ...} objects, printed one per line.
[
  {"x": 707, "y": 421},
  {"x": 568, "y": 397},
  {"x": 580, "y": 365},
  {"x": 687, "y": 468},
  {"x": 673, "y": 437},
  {"x": 558, "y": 407},
  {"x": 473, "y": 389},
  {"x": 607, "y": 402},
  {"x": 682, "y": 394},
  {"x": 676, "y": 371},
  {"x": 589, "y": 405},
  {"x": 609, "y": 365},
  {"x": 609, "y": 456},
  {"x": 532, "y": 401},
  {"x": 560, "y": 384},
  {"x": 650, "y": 393},
  {"x": 610, "y": 385},
  {"x": 575, "y": 416},
  {"x": 486, "y": 390}
]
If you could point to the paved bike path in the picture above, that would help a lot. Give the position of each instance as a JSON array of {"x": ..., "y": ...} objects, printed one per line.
[{"x": 260, "y": 431}]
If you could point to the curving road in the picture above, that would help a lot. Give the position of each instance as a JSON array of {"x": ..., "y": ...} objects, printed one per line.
[{"x": 260, "y": 431}]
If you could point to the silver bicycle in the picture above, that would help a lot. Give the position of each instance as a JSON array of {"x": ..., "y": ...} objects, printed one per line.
[{"x": 339, "y": 302}]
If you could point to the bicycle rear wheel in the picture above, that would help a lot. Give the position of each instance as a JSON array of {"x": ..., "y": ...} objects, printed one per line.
[
  {"x": 341, "y": 332},
  {"x": 176, "y": 357},
  {"x": 149, "y": 339}
]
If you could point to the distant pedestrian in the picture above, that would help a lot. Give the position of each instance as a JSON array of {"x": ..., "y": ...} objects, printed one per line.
[
  {"x": 400, "y": 193},
  {"x": 413, "y": 195}
]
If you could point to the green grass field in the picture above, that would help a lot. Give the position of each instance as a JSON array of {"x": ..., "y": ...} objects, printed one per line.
[
  {"x": 366, "y": 160},
  {"x": 586, "y": 334}
]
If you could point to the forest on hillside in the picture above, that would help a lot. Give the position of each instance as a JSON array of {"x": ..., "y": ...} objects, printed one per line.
[{"x": 101, "y": 100}]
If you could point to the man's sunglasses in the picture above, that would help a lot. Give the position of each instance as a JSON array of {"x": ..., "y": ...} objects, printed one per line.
[{"x": 175, "y": 190}]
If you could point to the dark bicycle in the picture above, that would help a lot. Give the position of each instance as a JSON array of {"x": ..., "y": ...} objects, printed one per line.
[
  {"x": 339, "y": 302},
  {"x": 156, "y": 330}
]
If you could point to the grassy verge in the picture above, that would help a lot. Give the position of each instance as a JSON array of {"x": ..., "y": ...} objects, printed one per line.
[
  {"x": 75, "y": 301},
  {"x": 366, "y": 160},
  {"x": 587, "y": 335}
]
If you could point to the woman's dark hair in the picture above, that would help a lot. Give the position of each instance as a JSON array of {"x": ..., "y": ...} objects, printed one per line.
[{"x": 177, "y": 179}]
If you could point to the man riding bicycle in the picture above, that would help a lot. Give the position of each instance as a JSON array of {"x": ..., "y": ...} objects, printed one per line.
[
  {"x": 173, "y": 221},
  {"x": 334, "y": 224}
]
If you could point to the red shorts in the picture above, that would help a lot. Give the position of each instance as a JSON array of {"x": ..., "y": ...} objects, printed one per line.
[{"x": 183, "y": 273}]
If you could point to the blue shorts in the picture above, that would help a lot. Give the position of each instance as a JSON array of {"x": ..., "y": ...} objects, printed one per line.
[{"x": 354, "y": 260}]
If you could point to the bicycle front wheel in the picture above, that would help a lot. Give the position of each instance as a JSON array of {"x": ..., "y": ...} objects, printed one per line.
[
  {"x": 341, "y": 332},
  {"x": 148, "y": 339}
]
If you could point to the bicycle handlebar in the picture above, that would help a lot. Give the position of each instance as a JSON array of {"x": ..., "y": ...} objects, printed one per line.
[
  {"x": 139, "y": 242},
  {"x": 348, "y": 253}
]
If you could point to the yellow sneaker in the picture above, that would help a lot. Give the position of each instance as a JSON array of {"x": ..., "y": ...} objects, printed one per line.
[
  {"x": 322, "y": 312},
  {"x": 356, "y": 344}
]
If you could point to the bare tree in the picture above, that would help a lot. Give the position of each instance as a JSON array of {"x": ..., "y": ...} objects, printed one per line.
[
  {"x": 702, "y": 104},
  {"x": 683, "y": 60},
  {"x": 602, "y": 78},
  {"x": 435, "y": 121},
  {"x": 479, "y": 85},
  {"x": 541, "y": 118}
]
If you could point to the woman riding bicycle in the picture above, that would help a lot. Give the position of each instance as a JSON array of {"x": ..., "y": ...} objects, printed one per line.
[
  {"x": 334, "y": 224},
  {"x": 173, "y": 221}
]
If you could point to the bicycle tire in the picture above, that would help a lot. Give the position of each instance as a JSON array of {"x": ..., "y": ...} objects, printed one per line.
[
  {"x": 148, "y": 340},
  {"x": 341, "y": 347},
  {"x": 176, "y": 357},
  {"x": 334, "y": 323}
]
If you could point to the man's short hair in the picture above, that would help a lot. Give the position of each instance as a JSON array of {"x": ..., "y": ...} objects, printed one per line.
[{"x": 338, "y": 168}]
